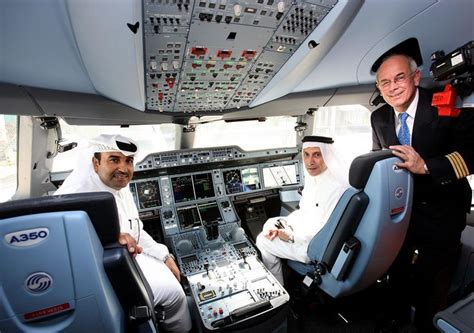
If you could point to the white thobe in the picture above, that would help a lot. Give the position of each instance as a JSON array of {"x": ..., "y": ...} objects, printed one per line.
[
  {"x": 320, "y": 195},
  {"x": 167, "y": 291}
]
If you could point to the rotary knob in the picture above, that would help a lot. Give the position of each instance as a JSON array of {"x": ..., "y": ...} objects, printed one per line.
[{"x": 167, "y": 214}]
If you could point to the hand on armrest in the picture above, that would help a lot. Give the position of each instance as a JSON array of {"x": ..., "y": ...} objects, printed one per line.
[{"x": 132, "y": 246}]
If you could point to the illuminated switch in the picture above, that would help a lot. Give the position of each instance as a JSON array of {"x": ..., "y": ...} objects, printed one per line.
[
  {"x": 175, "y": 64},
  {"x": 281, "y": 7},
  {"x": 170, "y": 81},
  {"x": 237, "y": 10},
  {"x": 164, "y": 66},
  {"x": 153, "y": 65}
]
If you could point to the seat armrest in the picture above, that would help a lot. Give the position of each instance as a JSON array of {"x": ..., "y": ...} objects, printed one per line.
[{"x": 128, "y": 281}]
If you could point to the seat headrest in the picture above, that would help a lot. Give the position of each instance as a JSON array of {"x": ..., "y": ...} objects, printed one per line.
[
  {"x": 100, "y": 206},
  {"x": 362, "y": 166}
]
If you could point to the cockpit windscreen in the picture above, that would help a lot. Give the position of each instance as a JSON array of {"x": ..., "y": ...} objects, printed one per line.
[{"x": 280, "y": 175}]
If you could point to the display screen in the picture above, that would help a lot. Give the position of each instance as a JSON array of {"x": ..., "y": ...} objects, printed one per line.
[
  {"x": 148, "y": 193},
  {"x": 209, "y": 212},
  {"x": 188, "y": 218},
  {"x": 250, "y": 179},
  {"x": 280, "y": 175},
  {"x": 188, "y": 259},
  {"x": 240, "y": 246},
  {"x": 233, "y": 181},
  {"x": 133, "y": 189},
  {"x": 241, "y": 180},
  {"x": 203, "y": 186},
  {"x": 182, "y": 189}
]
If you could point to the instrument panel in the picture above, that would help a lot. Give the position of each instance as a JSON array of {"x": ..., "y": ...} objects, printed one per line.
[
  {"x": 186, "y": 199},
  {"x": 192, "y": 193},
  {"x": 231, "y": 180}
]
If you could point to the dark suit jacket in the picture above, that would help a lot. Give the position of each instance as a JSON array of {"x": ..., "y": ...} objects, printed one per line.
[{"x": 440, "y": 200}]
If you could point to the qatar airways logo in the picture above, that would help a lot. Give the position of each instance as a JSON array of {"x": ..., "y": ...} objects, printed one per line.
[{"x": 38, "y": 282}]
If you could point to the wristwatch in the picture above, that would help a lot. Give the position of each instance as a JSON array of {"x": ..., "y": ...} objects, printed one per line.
[
  {"x": 291, "y": 239},
  {"x": 169, "y": 255}
]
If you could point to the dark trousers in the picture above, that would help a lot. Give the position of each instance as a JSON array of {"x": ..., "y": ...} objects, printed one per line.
[{"x": 421, "y": 280}]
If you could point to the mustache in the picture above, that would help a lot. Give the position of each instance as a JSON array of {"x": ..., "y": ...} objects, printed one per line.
[{"x": 120, "y": 173}]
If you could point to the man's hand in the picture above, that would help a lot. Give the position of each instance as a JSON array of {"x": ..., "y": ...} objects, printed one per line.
[
  {"x": 133, "y": 247},
  {"x": 170, "y": 263},
  {"x": 284, "y": 234},
  {"x": 272, "y": 233},
  {"x": 412, "y": 161}
]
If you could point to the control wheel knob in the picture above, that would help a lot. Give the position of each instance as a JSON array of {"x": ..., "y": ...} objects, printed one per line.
[
  {"x": 184, "y": 246},
  {"x": 225, "y": 204}
]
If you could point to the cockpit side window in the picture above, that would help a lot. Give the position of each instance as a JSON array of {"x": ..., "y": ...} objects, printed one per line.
[
  {"x": 8, "y": 156},
  {"x": 348, "y": 125},
  {"x": 150, "y": 139}
]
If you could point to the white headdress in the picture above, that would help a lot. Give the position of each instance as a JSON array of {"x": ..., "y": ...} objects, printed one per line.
[{"x": 332, "y": 158}]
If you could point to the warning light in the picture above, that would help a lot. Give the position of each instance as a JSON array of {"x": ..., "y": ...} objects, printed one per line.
[
  {"x": 170, "y": 81},
  {"x": 223, "y": 54},
  {"x": 199, "y": 51},
  {"x": 249, "y": 54}
]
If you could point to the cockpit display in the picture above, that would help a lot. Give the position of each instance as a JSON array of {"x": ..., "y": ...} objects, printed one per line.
[
  {"x": 203, "y": 185},
  {"x": 250, "y": 179},
  {"x": 148, "y": 194},
  {"x": 209, "y": 212},
  {"x": 188, "y": 217},
  {"x": 241, "y": 180},
  {"x": 182, "y": 189},
  {"x": 196, "y": 215},
  {"x": 195, "y": 187},
  {"x": 280, "y": 175}
]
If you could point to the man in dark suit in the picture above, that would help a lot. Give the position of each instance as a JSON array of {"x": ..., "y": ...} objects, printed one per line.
[{"x": 438, "y": 151}]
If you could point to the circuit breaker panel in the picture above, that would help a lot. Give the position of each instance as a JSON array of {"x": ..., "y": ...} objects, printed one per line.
[{"x": 216, "y": 55}]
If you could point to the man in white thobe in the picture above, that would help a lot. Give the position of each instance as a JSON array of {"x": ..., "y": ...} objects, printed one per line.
[
  {"x": 288, "y": 237},
  {"x": 107, "y": 165}
]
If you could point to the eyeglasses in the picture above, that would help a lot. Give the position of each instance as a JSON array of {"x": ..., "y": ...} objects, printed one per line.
[{"x": 399, "y": 79}]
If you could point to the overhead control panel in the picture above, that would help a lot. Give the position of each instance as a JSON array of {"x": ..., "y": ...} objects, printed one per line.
[{"x": 214, "y": 55}]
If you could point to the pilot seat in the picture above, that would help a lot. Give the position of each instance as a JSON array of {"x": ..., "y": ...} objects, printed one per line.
[
  {"x": 365, "y": 231},
  {"x": 63, "y": 269}
]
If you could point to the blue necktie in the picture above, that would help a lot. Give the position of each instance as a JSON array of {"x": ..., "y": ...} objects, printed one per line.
[{"x": 404, "y": 131}]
